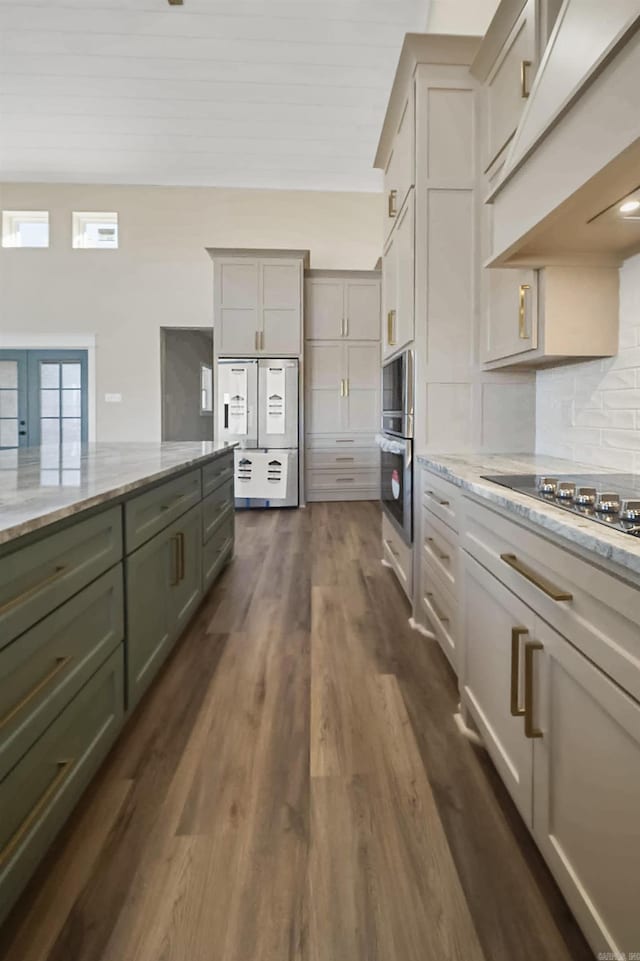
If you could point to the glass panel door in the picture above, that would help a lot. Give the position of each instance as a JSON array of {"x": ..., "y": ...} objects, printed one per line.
[{"x": 13, "y": 399}]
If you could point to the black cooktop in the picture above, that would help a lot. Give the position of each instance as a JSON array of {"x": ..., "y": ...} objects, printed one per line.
[{"x": 609, "y": 499}]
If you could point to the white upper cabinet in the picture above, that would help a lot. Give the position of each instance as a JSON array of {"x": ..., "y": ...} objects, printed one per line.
[
  {"x": 362, "y": 389},
  {"x": 258, "y": 304},
  {"x": 399, "y": 174},
  {"x": 343, "y": 388},
  {"x": 509, "y": 83},
  {"x": 343, "y": 307},
  {"x": 398, "y": 282},
  {"x": 511, "y": 319}
]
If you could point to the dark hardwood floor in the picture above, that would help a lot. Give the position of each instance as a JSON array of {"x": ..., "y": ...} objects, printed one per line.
[{"x": 294, "y": 787}]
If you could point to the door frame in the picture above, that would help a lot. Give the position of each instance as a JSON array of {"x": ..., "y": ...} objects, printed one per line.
[{"x": 19, "y": 341}]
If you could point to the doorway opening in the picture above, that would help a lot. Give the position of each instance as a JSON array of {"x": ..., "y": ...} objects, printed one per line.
[{"x": 187, "y": 383}]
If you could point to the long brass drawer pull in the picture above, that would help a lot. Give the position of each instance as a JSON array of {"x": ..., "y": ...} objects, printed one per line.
[
  {"x": 546, "y": 586},
  {"x": 350, "y": 459},
  {"x": 391, "y": 322},
  {"x": 391, "y": 203},
  {"x": 64, "y": 770},
  {"x": 61, "y": 663},
  {"x": 516, "y": 634},
  {"x": 436, "y": 498},
  {"x": 175, "y": 560},
  {"x": 439, "y": 615},
  {"x": 173, "y": 502},
  {"x": 529, "y": 650},
  {"x": 522, "y": 312},
  {"x": 181, "y": 563},
  {"x": 45, "y": 582},
  {"x": 524, "y": 89},
  {"x": 436, "y": 550},
  {"x": 345, "y": 480}
]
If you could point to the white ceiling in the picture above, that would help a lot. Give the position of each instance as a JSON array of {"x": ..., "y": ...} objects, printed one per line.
[{"x": 247, "y": 93}]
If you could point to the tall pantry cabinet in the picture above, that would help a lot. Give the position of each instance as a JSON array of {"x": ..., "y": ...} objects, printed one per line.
[{"x": 342, "y": 409}]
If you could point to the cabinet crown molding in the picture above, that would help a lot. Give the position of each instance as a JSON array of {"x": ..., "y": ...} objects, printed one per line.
[{"x": 217, "y": 253}]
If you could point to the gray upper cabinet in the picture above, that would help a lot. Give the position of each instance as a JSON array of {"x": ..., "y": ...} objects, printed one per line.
[{"x": 342, "y": 305}]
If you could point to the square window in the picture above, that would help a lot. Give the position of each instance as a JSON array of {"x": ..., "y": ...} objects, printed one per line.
[
  {"x": 25, "y": 228},
  {"x": 95, "y": 230}
]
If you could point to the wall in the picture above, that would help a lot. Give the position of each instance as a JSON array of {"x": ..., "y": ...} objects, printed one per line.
[
  {"x": 161, "y": 275},
  {"x": 590, "y": 412},
  {"x": 470, "y": 17},
  {"x": 183, "y": 354}
]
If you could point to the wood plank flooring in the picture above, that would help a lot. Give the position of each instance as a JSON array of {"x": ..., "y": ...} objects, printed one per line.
[{"x": 294, "y": 788}]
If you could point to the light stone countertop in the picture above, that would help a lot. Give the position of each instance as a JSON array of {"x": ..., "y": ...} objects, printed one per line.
[
  {"x": 466, "y": 470},
  {"x": 42, "y": 485}
]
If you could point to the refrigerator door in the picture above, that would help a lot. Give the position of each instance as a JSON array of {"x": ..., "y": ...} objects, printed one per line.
[
  {"x": 266, "y": 478},
  {"x": 237, "y": 402},
  {"x": 278, "y": 404}
]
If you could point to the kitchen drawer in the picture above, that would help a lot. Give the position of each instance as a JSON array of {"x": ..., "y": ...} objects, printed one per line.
[
  {"x": 36, "y": 579},
  {"x": 149, "y": 513},
  {"x": 217, "y": 551},
  {"x": 346, "y": 478},
  {"x": 398, "y": 555},
  {"x": 597, "y": 611},
  {"x": 338, "y": 442},
  {"x": 40, "y": 792},
  {"x": 440, "y": 546},
  {"x": 441, "y": 609},
  {"x": 215, "y": 507},
  {"x": 441, "y": 498},
  {"x": 44, "y": 669},
  {"x": 354, "y": 457},
  {"x": 216, "y": 473}
]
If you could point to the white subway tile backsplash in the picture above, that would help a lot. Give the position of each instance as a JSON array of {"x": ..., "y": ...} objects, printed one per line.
[{"x": 590, "y": 412}]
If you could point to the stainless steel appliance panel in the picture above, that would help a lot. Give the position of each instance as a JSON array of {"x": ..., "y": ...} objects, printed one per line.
[
  {"x": 278, "y": 403},
  {"x": 238, "y": 402},
  {"x": 398, "y": 396},
  {"x": 396, "y": 482}
]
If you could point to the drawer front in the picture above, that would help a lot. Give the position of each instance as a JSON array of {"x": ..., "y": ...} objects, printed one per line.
[
  {"x": 215, "y": 508},
  {"x": 216, "y": 473},
  {"x": 149, "y": 513},
  {"x": 440, "y": 546},
  {"x": 441, "y": 498},
  {"x": 355, "y": 457},
  {"x": 597, "y": 611},
  {"x": 440, "y": 606},
  {"x": 46, "y": 667},
  {"x": 398, "y": 555},
  {"x": 343, "y": 479},
  {"x": 338, "y": 442},
  {"x": 217, "y": 551},
  {"x": 42, "y": 789},
  {"x": 36, "y": 579}
]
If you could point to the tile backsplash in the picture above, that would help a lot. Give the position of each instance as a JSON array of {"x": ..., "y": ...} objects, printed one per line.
[{"x": 590, "y": 412}]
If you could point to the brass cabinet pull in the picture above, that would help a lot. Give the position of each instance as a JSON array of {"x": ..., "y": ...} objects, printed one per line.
[
  {"x": 555, "y": 593},
  {"x": 346, "y": 387},
  {"x": 391, "y": 323},
  {"x": 172, "y": 503},
  {"x": 345, "y": 480},
  {"x": 61, "y": 663},
  {"x": 436, "y": 498},
  {"x": 391, "y": 203},
  {"x": 45, "y": 582},
  {"x": 522, "y": 311},
  {"x": 441, "y": 617},
  {"x": 175, "y": 560},
  {"x": 181, "y": 562},
  {"x": 346, "y": 327},
  {"x": 524, "y": 89},
  {"x": 516, "y": 634},
  {"x": 344, "y": 459},
  {"x": 342, "y": 388},
  {"x": 64, "y": 770},
  {"x": 436, "y": 550},
  {"x": 342, "y": 327},
  {"x": 529, "y": 650}
]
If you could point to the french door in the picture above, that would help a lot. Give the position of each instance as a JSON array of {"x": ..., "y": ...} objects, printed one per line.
[{"x": 43, "y": 398}]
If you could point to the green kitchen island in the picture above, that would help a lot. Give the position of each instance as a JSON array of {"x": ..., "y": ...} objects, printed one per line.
[{"x": 106, "y": 551}]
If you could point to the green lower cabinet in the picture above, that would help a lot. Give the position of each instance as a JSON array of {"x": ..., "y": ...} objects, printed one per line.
[
  {"x": 39, "y": 793},
  {"x": 163, "y": 586},
  {"x": 217, "y": 551}
]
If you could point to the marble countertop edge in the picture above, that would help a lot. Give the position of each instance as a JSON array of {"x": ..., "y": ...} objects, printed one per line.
[{"x": 465, "y": 471}]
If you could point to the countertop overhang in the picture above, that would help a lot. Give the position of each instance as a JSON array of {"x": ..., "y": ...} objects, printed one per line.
[
  {"x": 467, "y": 470},
  {"x": 40, "y": 486}
]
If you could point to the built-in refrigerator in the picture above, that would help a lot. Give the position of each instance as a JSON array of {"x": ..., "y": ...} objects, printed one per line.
[{"x": 258, "y": 409}]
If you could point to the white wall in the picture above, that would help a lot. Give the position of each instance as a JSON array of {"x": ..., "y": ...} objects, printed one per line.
[
  {"x": 590, "y": 412},
  {"x": 161, "y": 275}
]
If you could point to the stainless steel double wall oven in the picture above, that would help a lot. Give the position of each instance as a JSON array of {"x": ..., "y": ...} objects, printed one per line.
[{"x": 396, "y": 442}]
